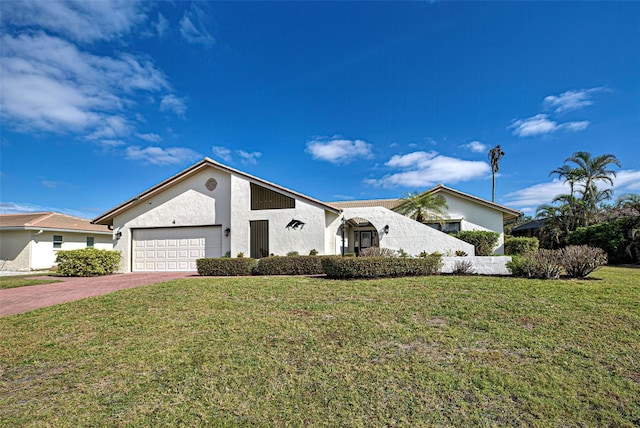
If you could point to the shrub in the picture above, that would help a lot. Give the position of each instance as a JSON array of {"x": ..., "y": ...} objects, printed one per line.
[
  {"x": 87, "y": 262},
  {"x": 483, "y": 241},
  {"x": 615, "y": 237},
  {"x": 580, "y": 261},
  {"x": 225, "y": 266},
  {"x": 349, "y": 254},
  {"x": 289, "y": 265},
  {"x": 463, "y": 267},
  {"x": 545, "y": 264},
  {"x": 313, "y": 252},
  {"x": 293, "y": 254},
  {"x": 377, "y": 252},
  {"x": 515, "y": 246},
  {"x": 240, "y": 255},
  {"x": 402, "y": 253},
  {"x": 379, "y": 267},
  {"x": 460, "y": 253}
]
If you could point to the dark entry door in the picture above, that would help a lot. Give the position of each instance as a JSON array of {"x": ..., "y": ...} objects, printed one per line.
[{"x": 259, "y": 231}]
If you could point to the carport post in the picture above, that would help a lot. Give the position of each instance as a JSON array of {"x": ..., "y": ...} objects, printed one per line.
[{"x": 343, "y": 225}]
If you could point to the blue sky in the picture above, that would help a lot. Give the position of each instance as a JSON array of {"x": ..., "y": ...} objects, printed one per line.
[{"x": 102, "y": 100}]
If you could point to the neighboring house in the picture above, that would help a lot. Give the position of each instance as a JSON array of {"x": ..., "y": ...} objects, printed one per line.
[
  {"x": 530, "y": 229},
  {"x": 31, "y": 241},
  {"x": 210, "y": 209}
]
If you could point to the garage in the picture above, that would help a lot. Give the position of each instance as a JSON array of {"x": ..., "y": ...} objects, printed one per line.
[{"x": 174, "y": 248}]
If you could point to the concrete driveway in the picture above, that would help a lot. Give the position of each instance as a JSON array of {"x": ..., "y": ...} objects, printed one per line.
[{"x": 23, "y": 299}]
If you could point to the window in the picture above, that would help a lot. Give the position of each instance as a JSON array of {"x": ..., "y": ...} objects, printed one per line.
[
  {"x": 90, "y": 241},
  {"x": 57, "y": 241},
  {"x": 267, "y": 199},
  {"x": 446, "y": 227}
]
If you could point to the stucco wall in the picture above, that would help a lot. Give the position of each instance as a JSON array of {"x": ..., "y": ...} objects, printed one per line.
[
  {"x": 187, "y": 203},
  {"x": 476, "y": 217},
  {"x": 492, "y": 265},
  {"x": 281, "y": 239},
  {"x": 15, "y": 249},
  {"x": 28, "y": 250},
  {"x": 405, "y": 233}
]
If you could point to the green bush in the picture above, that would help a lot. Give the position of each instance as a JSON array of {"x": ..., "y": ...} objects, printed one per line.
[
  {"x": 87, "y": 262},
  {"x": 580, "y": 261},
  {"x": 515, "y": 246},
  {"x": 290, "y": 265},
  {"x": 483, "y": 241},
  {"x": 615, "y": 237},
  {"x": 379, "y": 267},
  {"x": 225, "y": 266},
  {"x": 293, "y": 254}
]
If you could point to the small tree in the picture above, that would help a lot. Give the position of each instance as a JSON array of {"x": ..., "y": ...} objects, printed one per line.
[{"x": 423, "y": 207}]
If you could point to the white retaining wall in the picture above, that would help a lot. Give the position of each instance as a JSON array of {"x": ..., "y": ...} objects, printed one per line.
[{"x": 489, "y": 265}]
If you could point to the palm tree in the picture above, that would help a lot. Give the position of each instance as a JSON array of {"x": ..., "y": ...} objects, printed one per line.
[
  {"x": 591, "y": 169},
  {"x": 569, "y": 174},
  {"x": 494, "y": 156},
  {"x": 423, "y": 207}
]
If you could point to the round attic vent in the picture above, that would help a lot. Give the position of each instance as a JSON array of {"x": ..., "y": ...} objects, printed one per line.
[{"x": 211, "y": 184}]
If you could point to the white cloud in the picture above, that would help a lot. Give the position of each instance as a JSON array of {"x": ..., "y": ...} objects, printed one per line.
[
  {"x": 161, "y": 156},
  {"x": 21, "y": 208},
  {"x": 162, "y": 26},
  {"x": 222, "y": 152},
  {"x": 249, "y": 157},
  {"x": 571, "y": 100},
  {"x": 193, "y": 27},
  {"x": 172, "y": 103},
  {"x": 422, "y": 169},
  {"x": 81, "y": 21},
  {"x": 476, "y": 147},
  {"x": 49, "y": 84},
  {"x": 150, "y": 137},
  {"x": 541, "y": 124},
  {"x": 544, "y": 193},
  {"x": 338, "y": 150}
]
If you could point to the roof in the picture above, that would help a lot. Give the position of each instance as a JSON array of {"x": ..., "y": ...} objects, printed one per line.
[
  {"x": 385, "y": 203},
  {"x": 533, "y": 224},
  {"x": 49, "y": 221},
  {"x": 508, "y": 213},
  {"x": 107, "y": 217},
  {"x": 395, "y": 203}
]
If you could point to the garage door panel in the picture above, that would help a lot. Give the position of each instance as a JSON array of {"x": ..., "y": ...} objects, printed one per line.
[{"x": 174, "y": 249}]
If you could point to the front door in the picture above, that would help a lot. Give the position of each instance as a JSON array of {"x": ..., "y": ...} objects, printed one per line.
[{"x": 259, "y": 238}]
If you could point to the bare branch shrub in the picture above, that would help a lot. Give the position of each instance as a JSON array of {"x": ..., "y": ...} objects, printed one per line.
[{"x": 463, "y": 267}]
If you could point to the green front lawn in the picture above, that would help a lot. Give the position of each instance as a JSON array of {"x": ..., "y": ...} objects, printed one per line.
[
  {"x": 256, "y": 351},
  {"x": 23, "y": 281}
]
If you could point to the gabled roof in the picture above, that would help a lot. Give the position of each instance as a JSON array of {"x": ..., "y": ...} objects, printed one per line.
[
  {"x": 107, "y": 217},
  {"x": 533, "y": 224},
  {"x": 508, "y": 213},
  {"x": 392, "y": 204},
  {"x": 49, "y": 221}
]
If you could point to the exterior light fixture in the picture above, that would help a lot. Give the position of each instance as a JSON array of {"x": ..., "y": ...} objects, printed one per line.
[
  {"x": 385, "y": 229},
  {"x": 118, "y": 235},
  {"x": 227, "y": 231}
]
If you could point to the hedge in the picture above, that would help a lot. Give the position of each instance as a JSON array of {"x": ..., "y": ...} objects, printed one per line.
[
  {"x": 87, "y": 262},
  {"x": 515, "y": 246},
  {"x": 615, "y": 237},
  {"x": 290, "y": 265},
  {"x": 380, "y": 267},
  {"x": 226, "y": 266},
  {"x": 483, "y": 241}
]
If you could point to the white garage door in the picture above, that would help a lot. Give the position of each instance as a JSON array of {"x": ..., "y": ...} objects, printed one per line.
[{"x": 174, "y": 248}]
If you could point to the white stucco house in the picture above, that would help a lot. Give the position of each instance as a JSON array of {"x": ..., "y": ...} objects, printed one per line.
[
  {"x": 210, "y": 209},
  {"x": 31, "y": 241}
]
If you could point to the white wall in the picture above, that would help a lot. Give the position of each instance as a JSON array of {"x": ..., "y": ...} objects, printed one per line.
[
  {"x": 281, "y": 239},
  {"x": 187, "y": 203},
  {"x": 476, "y": 217},
  {"x": 27, "y": 250},
  {"x": 15, "y": 249},
  {"x": 405, "y": 233},
  {"x": 490, "y": 265}
]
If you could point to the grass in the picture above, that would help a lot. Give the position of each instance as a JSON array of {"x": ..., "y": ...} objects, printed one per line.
[
  {"x": 23, "y": 281},
  {"x": 256, "y": 351}
]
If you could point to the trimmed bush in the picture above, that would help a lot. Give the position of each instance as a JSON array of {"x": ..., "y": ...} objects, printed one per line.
[
  {"x": 515, "y": 246},
  {"x": 544, "y": 264},
  {"x": 615, "y": 237},
  {"x": 225, "y": 266},
  {"x": 484, "y": 241},
  {"x": 580, "y": 261},
  {"x": 87, "y": 262},
  {"x": 290, "y": 265},
  {"x": 377, "y": 252},
  {"x": 380, "y": 267}
]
